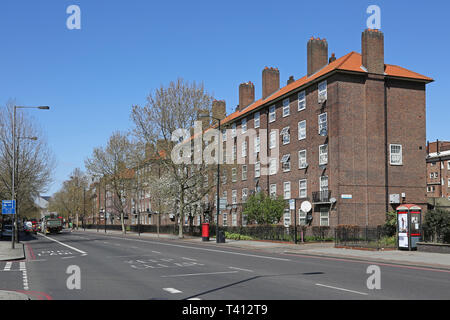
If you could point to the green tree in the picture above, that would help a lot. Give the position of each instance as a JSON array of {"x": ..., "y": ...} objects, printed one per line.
[
  {"x": 263, "y": 209},
  {"x": 437, "y": 225}
]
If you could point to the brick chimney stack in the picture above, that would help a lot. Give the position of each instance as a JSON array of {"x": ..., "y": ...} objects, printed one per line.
[
  {"x": 317, "y": 54},
  {"x": 270, "y": 81},
  {"x": 372, "y": 50},
  {"x": 246, "y": 94},
  {"x": 219, "y": 110}
]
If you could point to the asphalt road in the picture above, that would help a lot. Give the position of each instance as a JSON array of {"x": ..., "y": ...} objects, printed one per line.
[{"x": 92, "y": 266}]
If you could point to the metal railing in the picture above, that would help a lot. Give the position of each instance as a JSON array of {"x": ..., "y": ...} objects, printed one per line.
[{"x": 321, "y": 196}]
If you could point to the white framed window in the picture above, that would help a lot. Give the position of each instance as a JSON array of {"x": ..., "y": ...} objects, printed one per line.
[
  {"x": 234, "y": 151},
  {"x": 323, "y": 126},
  {"x": 244, "y": 125},
  {"x": 322, "y": 91},
  {"x": 286, "y": 135},
  {"x": 257, "y": 119},
  {"x": 257, "y": 144},
  {"x": 324, "y": 183},
  {"x": 224, "y": 177},
  {"x": 244, "y": 220},
  {"x": 302, "y": 188},
  {"x": 244, "y": 172},
  {"x": 234, "y": 197},
  {"x": 257, "y": 169},
  {"x": 302, "y": 164},
  {"x": 286, "y": 162},
  {"x": 234, "y": 219},
  {"x": 244, "y": 149},
  {"x": 324, "y": 217},
  {"x": 396, "y": 158},
  {"x": 301, "y": 101},
  {"x": 302, "y": 130},
  {"x": 225, "y": 196},
  {"x": 225, "y": 219},
  {"x": 287, "y": 217},
  {"x": 273, "y": 191},
  {"x": 273, "y": 140},
  {"x": 233, "y": 174},
  {"x": 244, "y": 194},
  {"x": 323, "y": 154},
  {"x": 233, "y": 130},
  {"x": 199, "y": 220},
  {"x": 448, "y": 184},
  {"x": 287, "y": 190},
  {"x": 272, "y": 166},
  {"x": 448, "y": 165},
  {"x": 272, "y": 115},
  {"x": 286, "y": 108},
  {"x": 224, "y": 135},
  {"x": 301, "y": 217},
  {"x": 428, "y": 189}
]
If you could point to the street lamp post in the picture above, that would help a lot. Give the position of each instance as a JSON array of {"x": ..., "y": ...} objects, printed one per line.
[
  {"x": 15, "y": 233},
  {"x": 218, "y": 173}
]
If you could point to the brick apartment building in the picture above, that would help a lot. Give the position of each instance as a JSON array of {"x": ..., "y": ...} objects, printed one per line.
[
  {"x": 352, "y": 138},
  {"x": 438, "y": 169}
]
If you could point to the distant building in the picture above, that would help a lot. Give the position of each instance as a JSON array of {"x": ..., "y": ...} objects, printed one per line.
[{"x": 438, "y": 174}]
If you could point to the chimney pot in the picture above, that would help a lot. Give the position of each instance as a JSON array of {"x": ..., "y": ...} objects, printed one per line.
[
  {"x": 317, "y": 55},
  {"x": 270, "y": 81},
  {"x": 372, "y": 50}
]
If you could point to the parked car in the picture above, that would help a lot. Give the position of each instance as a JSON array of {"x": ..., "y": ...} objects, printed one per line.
[{"x": 7, "y": 230}]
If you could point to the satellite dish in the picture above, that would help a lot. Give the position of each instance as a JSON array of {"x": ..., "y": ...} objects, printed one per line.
[
  {"x": 333, "y": 200},
  {"x": 306, "y": 206}
]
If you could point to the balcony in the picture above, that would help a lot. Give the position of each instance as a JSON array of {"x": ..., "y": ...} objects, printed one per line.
[{"x": 321, "y": 197}]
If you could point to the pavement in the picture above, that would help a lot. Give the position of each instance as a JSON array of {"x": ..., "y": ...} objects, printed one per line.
[
  {"x": 322, "y": 249},
  {"x": 13, "y": 295},
  {"x": 8, "y": 254}
]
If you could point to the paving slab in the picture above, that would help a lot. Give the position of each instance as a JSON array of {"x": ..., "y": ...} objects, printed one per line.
[{"x": 6, "y": 253}]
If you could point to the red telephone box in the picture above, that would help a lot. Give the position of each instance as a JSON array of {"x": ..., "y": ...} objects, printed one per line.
[{"x": 409, "y": 226}]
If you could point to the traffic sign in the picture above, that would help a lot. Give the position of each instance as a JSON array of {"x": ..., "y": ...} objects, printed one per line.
[{"x": 8, "y": 206}]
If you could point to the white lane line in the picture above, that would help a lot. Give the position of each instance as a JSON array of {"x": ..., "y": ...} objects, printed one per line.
[
  {"x": 66, "y": 245},
  {"x": 241, "y": 269},
  {"x": 8, "y": 266},
  {"x": 68, "y": 257},
  {"x": 204, "y": 249},
  {"x": 172, "y": 290},
  {"x": 342, "y": 289},
  {"x": 195, "y": 299},
  {"x": 188, "y": 259},
  {"x": 22, "y": 266},
  {"x": 156, "y": 252},
  {"x": 197, "y": 274}
]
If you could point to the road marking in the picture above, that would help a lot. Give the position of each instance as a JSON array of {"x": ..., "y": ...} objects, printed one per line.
[
  {"x": 188, "y": 259},
  {"x": 156, "y": 252},
  {"x": 194, "y": 299},
  {"x": 172, "y": 290},
  {"x": 66, "y": 245},
  {"x": 241, "y": 269},
  {"x": 22, "y": 266},
  {"x": 68, "y": 257},
  {"x": 204, "y": 249},
  {"x": 8, "y": 266},
  {"x": 342, "y": 289},
  {"x": 197, "y": 274}
]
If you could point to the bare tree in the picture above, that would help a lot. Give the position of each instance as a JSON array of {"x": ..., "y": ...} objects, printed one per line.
[
  {"x": 169, "y": 110},
  {"x": 113, "y": 163},
  {"x": 34, "y": 160}
]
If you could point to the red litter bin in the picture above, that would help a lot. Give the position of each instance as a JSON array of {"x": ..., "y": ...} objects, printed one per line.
[{"x": 205, "y": 231}]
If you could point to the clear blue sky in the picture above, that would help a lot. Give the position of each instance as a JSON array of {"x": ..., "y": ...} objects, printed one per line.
[{"x": 127, "y": 48}]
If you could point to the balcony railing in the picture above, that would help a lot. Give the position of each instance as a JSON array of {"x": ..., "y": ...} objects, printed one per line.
[{"x": 321, "y": 196}]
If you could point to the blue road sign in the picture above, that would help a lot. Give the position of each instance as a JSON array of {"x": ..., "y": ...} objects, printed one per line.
[{"x": 8, "y": 206}]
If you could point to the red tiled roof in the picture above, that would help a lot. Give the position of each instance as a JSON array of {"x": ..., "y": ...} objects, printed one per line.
[{"x": 350, "y": 62}]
